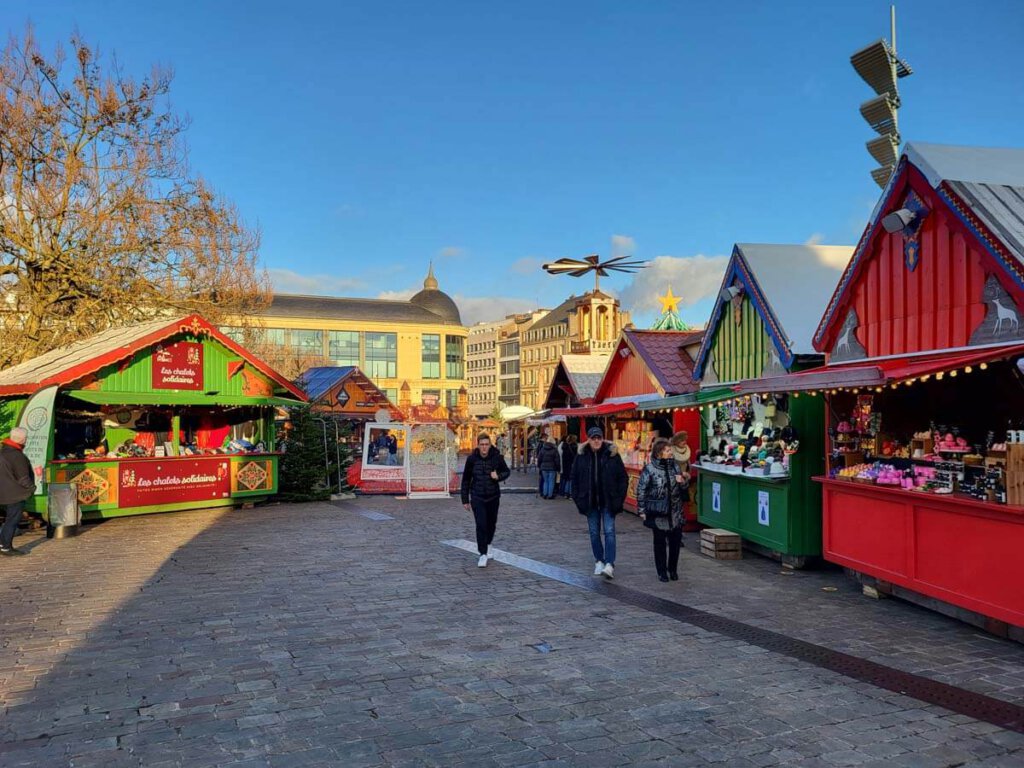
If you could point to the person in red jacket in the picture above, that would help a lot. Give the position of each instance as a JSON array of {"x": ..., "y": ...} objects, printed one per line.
[{"x": 17, "y": 483}]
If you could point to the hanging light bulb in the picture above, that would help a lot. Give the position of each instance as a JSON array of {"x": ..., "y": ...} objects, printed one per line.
[
  {"x": 938, "y": 376},
  {"x": 953, "y": 374},
  {"x": 968, "y": 369},
  {"x": 983, "y": 366}
]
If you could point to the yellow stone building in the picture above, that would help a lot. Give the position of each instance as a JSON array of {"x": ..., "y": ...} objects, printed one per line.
[
  {"x": 580, "y": 325},
  {"x": 420, "y": 342}
]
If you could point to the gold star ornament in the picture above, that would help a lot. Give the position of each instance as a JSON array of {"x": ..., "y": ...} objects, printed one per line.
[{"x": 669, "y": 303}]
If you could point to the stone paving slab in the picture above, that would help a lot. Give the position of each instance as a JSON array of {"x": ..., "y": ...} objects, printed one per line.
[{"x": 311, "y": 635}]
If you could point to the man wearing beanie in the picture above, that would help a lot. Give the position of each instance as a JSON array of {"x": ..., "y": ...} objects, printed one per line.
[
  {"x": 17, "y": 483},
  {"x": 599, "y": 485}
]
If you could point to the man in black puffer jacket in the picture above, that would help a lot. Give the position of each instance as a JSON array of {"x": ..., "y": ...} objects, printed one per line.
[
  {"x": 599, "y": 484},
  {"x": 481, "y": 492}
]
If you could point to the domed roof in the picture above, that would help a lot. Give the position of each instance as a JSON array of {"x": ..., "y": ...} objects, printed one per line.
[{"x": 435, "y": 300}]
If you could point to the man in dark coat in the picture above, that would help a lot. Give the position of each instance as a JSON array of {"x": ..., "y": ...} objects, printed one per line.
[
  {"x": 548, "y": 462},
  {"x": 481, "y": 492},
  {"x": 17, "y": 483},
  {"x": 599, "y": 485}
]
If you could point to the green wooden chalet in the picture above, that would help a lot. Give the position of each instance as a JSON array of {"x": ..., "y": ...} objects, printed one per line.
[
  {"x": 166, "y": 415},
  {"x": 762, "y": 325}
]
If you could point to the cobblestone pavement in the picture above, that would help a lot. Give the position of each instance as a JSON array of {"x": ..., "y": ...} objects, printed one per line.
[{"x": 349, "y": 635}]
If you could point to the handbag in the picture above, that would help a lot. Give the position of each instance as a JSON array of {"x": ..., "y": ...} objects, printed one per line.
[{"x": 656, "y": 507}]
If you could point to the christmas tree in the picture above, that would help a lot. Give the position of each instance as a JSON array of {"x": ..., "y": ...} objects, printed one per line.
[
  {"x": 303, "y": 472},
  {"x": 669, "y": 319}
]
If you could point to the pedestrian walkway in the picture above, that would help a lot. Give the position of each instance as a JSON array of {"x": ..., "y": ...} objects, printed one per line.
[{"x": 356, "y": 634}]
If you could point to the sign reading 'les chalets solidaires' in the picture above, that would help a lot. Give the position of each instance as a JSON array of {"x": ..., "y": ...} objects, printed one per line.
[
  {"x": 143, "y": 483},
  {"x": 178, "y": 366}
]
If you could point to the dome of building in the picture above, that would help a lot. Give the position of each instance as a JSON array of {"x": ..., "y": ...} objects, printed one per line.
[{"x": 435, "y": 300}]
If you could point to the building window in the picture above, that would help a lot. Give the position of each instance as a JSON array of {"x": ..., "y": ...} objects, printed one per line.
[
  {"x": 451, "y": 398},
  {"x": 392, "y": 395},
  {"x": 343, "y": 347},
  {"x": 234, "y": 333},
  {"x": 431, "y": 351},
  {"x": 453, "y": 357},
  {"x": 308, "y": 342},
  {"x": 381, "y": 355},
  {"x": 431, "y": 397},
  {"x": 276, "y": 337}
]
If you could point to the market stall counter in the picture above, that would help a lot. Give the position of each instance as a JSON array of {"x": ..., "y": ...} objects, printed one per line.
[{"x": 162, "y": 416}]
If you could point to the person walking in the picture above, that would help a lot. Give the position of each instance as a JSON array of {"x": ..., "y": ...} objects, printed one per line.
[
  {"x": 481, "y": 493},
  {"x": 599, "y": 485},
  {"x": 548, "y": 463},
  {"x": 17, "y": 483},
  {"x": 569, "y": 448},
  {"x": 660, "y": 494},
  {"x": 392, "y": 450}
]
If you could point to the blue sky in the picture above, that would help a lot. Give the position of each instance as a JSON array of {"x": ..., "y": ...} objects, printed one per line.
[{"x": 368, "y": 138}]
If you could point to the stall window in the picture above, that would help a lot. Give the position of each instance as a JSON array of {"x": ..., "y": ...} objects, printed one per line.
[
  {"x": 431, "y": 353},
  {"x": 381, "y": 355},
  {"x": 343, "y": 347},
  {"x": 453, "y": 357}
]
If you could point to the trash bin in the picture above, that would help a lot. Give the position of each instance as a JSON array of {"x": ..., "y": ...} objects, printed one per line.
[{"x": 62, "y": 509}]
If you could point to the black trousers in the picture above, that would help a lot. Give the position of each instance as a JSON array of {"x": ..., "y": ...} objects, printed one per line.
[
  {"x": 486, "y": 513},
  {"x": 671, "y": 540},
  {"x": 10, "y": 525}
]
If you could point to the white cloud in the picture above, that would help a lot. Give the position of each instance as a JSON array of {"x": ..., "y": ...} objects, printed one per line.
[
  {"x": 623, "y": 245},
  {"x": 816, "y": 239},
  {"x": 452, "y": 252},
  {"x": 692, "y": 278},
  {"x": 403, "y": 295},
  {"x": 528, "y": 265},
  {"x": 476, "y": 309},
  {"x": 289, "y": 281}
]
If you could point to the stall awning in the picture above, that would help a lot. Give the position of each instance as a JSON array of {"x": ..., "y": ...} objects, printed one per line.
[
  {"x": 171, "y": 398},
  {"x": 604, "y": 409},
  {"x": 878, "y": 372},
  {"x": 689, "y": 400}
]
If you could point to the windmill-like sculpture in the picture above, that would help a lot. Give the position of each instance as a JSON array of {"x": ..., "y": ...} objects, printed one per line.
[{"x": 593, "y": 263}]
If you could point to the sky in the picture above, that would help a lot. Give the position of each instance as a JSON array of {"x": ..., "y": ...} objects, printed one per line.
[{"x": 366, "y": 139}]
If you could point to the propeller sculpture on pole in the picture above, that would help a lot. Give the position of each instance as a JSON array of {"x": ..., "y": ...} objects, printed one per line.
[{"x": 593, "y": 263}]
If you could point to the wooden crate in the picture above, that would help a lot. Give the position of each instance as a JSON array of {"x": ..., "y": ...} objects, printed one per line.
[
  {"x": 1015, "y": 474},
  {"x": 721, "y": 544}
]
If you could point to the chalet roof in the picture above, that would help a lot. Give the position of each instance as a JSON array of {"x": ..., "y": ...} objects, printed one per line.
[
  {"x": 584, "y": 373},
  {"x": 796, "y": 281},
  {"x": 70, "y": 363},
  {"x": 986, "y": 183},
  {"x": 319, "y": 380},
  {"x": 664, "y": 353}
]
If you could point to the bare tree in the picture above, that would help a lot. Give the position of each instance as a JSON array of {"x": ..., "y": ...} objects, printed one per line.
[{"x": 102, "y": 222}]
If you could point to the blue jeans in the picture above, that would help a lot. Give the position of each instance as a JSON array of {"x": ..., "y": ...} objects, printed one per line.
[
  {"x": 596, "y": 520},
  {"x": 566, "y": 486},
  {"x": 548, "y": 483}
]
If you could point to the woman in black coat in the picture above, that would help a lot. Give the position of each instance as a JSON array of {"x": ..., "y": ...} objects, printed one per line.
[
  {"x": 548, "y": 462},
  {"x": 569, "y": 448},
  {"x": 660, "y": 493}
]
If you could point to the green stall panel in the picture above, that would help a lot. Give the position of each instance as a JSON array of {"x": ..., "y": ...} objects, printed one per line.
[
  {"x": 764, "y": 513},
  {"x": 718, "y": 500}
]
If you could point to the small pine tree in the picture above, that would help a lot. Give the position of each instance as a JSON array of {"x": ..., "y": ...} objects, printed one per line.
[
  {"x": 345, "y": 454},
  {"x": 303, "y": 470}
]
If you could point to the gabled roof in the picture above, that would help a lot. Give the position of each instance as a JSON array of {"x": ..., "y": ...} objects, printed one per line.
[
  {"x": 319, "y": 381},
  {"x": 68, "y": 364},
  {"x": 584, "y": 373},
  {"x": 984, "y": 187},
  {"x": 663, "y": 353},
  {"x": 787, "y": 285}
]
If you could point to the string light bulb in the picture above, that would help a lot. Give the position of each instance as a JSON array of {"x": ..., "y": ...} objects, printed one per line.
[
  {"x": 983, "y": 366},
  {"x": 938, "y": 376},
  {"x": 953, "y": 374},
  {"x": 968, "y": 369}
]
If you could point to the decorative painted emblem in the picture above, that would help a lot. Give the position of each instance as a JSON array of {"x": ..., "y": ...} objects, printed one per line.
[
  {"x": 912, "y": 232},
  {"x": 1002, "y": 315},
  {"x": 252, "y": 476},
  {"x": 847, "y": 346},
  {"x": 92, "y": 487}
]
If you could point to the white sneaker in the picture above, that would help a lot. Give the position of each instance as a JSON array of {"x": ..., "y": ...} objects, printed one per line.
[
  {"x": 482, "y": 562},
  {"x": 598, "y": 568},
  {"x": 609, "y": 571},
  {"x": 490, "y": 556}
]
